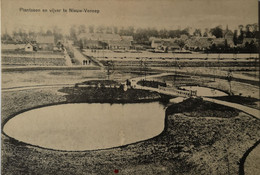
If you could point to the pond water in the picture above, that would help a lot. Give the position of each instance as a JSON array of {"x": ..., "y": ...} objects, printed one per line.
[
  {"x": 83, "y": 126},
  {"x": 204, "y": 91}
]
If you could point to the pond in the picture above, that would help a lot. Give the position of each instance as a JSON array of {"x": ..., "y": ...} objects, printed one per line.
[
  {"x": 205, "y": 91},
  {"x": 83, "y": 126}
]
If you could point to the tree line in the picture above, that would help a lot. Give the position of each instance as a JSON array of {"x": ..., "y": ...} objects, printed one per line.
[
  {"x": 140, "y": 35},
  {"x": 143, "y": 34}
]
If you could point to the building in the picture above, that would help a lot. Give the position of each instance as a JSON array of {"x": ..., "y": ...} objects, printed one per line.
[
  {"x": 219, "y": 42},
  {"x": 45, "y": 43},
  {"x": 199, "y": 43},
  {"x": 159, "y": 42},
  {"x": 164, "y": 44},
  {"x": 170, "y": 46},
  {"x": 155, "y": 42},
  {"x": 104, "y": 40},
  {"x": 28, "y": 47},
  {"x": 228, "y": 36},
  {"x": 124, "y": 43}
]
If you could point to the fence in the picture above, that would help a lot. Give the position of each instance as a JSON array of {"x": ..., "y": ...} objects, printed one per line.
[{"x": 179, "y": 92}]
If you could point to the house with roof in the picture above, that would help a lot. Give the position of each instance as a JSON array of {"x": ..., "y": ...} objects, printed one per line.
[
  {"x": 104, "y": 40},
  {"x": 219, "y": 42},
  {"x": 199, "y": 43},
  {"x": 125, "y": 43},
  {"x": 222, "y": 42},
  {"x": 90, "y": 40},
  {"x": 164, "y": 44},
  {"x": 228, "y": 36},
  {"x": 45, "y": 43},
  {"x": 156, "y": 42},
  {"x": 29, "y": 47},
  {"x": 159, "y": 42},
  {"x": 170, "y": 46}
]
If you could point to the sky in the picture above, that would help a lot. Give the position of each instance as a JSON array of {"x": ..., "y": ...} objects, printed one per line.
[{"x": 159, "y": 14}]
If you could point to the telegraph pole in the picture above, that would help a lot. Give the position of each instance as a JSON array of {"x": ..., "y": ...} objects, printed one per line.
[
  {"x": 175, "y": 70},
  {"x": 229, "y": 78},
  {"x": 109, "y": 68}
]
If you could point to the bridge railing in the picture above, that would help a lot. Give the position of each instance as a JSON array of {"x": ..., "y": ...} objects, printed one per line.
[{"x": 180, "y": 92}]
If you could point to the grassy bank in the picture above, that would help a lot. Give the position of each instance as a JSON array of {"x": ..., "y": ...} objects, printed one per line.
[
  {"x": 110, "y": 95},
  {"x": 199, "y": 108}
]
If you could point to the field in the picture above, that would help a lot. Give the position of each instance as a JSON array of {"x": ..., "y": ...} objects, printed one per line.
[
  {"x": 128, "y": 55},
  {"x": 22, "y": 58}
]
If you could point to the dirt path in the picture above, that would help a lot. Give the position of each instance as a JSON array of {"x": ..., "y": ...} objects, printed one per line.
[
  {"x": 251, "y": 111},
  {"x": 79, "y": 56}
]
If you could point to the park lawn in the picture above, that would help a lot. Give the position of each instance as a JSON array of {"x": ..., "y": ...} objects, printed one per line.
[{"x": 199, "y": 138}]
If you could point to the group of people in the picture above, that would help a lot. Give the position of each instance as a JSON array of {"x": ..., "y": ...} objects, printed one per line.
[{"x": 86, "y": 62}]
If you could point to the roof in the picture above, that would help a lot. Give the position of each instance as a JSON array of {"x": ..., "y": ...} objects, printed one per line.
[
  {"x": 158, "y": 40},
  {"x": 111, "y": 39},
  {"x": 99, "y": 36},
  {"x": 45, "y": 39},
  {"x": 228, "y": 33},
  {"x": 201, "y": 42},
  {"x": 127, "y": 38},
  {"x": 170, "y": 44},
  {"x": 123, "y": 43},
  {"x": 91, "y": 43},
  {"x": 219, "y": 41},
  {"x": 28, "y": 44}
]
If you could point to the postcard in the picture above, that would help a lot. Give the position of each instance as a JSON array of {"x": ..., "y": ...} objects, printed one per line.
[{"x": 130, "y": 87}]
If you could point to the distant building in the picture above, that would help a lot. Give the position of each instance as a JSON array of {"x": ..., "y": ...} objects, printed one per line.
[
  {"x": 219, "y": 42},
  {"x": 228, "y": 36},
  {"x": 199, "y": 43},
  {"x": 170, "y": 46},
  {"x": 45, "y": 43},
  {"x": 91, "y": 44},
  {"x": 124, "y": 43},
  {"x": 164, "y": 44},
  {"x": 101, "y": 40},
  {"x": 28, "y": 47},
  {"x": 155, "y": 42}
]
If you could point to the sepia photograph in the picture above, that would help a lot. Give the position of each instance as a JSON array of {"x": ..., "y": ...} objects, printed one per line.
[{"x": 130, "y": 87}]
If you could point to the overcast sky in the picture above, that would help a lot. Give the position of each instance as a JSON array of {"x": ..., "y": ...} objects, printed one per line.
[{"x": 169, "y": 14}]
